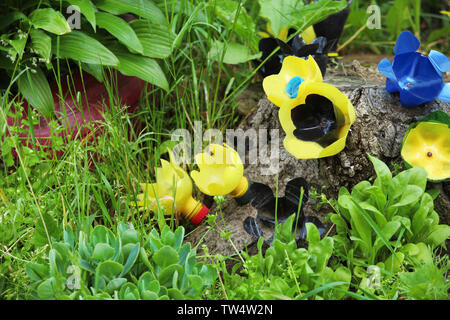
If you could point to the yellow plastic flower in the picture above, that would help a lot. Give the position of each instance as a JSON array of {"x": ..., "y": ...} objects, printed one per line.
[
  {"x": 344, "y": 113},
  {"x": 309, "y": 35},
  {"x": 275, "y": 85},
  {"x": 446, "y": 13},
  {"x": 172, "y": 191},
  {"x": 221, "y": 172},
  {"x": 282, "y": 35},
  {"x": 427, "y": 145}
]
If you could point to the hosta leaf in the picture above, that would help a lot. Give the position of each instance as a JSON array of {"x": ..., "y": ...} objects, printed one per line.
[
  {"x": 236, "y": 53},
  {"x": 143, "y": 67},
  {"x": 78, "y": 46},
  {"x": 243, "y": 24},
  {"x": 156, "y": 39},
  {"x": 49, "y": 20},
  {"x": 35, "y": 88},
  {"x": 11, "y": 17},
  {"x": 87, "y": 9},
  {"x": 119, "y": 29},
  {"x": 143, "y": 8},
  {"x": 41, "y": 43},
  {"x": 95, "y": 70}
]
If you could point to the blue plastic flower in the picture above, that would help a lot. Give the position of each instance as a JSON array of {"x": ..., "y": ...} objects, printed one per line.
[{"x": 417, "y": 77}]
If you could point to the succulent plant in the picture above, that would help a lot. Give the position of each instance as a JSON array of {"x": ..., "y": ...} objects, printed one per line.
[{"x": 104, "y": 265}]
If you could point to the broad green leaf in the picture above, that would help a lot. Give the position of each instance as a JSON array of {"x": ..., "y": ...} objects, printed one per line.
[
  {"x": 166, "y": 274},
  {"x": 78, "y": 46},
  {"x": 156, "y": 39},
  {"x": 394, "y": 262},
  {"x": 341, "y": 225},
  {"x": 143, "y": 67},
  {"x": 49, "y": 20},
  {"x": 379, "y": 217},
  {"x": 47, "y": 289},
  {"x": 18, "y": 43},
  {"x": 235, "y": 53},
  {"x": 87, "y": 9},
  {"x": 373, "y": 226},
  {"x": 11, "y": 17},
  {"x": 359, "y": 191},
  {"x": 292, "y": 13},
  {"x": 237, "y": 17},
  {"x": 358, "y": 221},
  {"x": 129, "y": 291},
  {"x": 165, "y": 256},
  {"x": 378, "y": 197},
  {"x": 279, "y": 13},
  {"x": 101, "y": 234},
  {"x": 148, "y": 282},
  {"x": 313, "y": 234},
  {"x": 438, "y": 235},
  {"x": 175, "y": 294},
  {"x": 411, "y": 195},
  {"x": 109, "y": 269},
  {"x": 42, "y": 44},
  {"x": 343, "y": 204},
  {"x": 384, "y": 175},
  {"x": 48, "y": 226},
  {"x": 148, "y": 295},
  {"x": 129, "y": 236},
  {"x": 120, "y": 29},
  {"x": 37, "y": 272},
  {"x": 143, "y": 8},
  {"x": 114, "y": 285},
  {"x": 102, "y": 252},
  {"x": 131, "y": 259},
  {"x": 95, "y": 70}
]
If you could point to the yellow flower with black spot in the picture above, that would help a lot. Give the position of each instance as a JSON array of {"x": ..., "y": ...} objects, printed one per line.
[
  {"x": 173, "y": 192},
  {"x": 427, "y": 145},
  {"x": 275, "y": 86},
  {"x": 221, "y": 172},
  {"x": 315, "y": 116}
]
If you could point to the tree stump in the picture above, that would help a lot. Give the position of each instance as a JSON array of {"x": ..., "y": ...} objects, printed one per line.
[{"x": 380, "y": 126}]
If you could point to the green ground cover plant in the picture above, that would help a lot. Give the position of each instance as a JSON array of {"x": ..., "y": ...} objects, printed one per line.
[
  {"x": 71, "y": 215},
  {"x": 122, "y": 265}
]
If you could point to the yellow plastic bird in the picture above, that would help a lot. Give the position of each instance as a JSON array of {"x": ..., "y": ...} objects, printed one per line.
[
  {"x": 221, "y": 172},
  {"x": 172, "y": 191}
]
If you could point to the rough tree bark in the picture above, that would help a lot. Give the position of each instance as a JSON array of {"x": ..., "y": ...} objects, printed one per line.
[{"x": 379, "y": 129}]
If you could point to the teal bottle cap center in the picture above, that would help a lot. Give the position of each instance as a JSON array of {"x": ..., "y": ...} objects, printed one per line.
[{"x": 292, "y": 87}]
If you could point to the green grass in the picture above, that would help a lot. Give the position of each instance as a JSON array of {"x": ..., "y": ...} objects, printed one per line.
[
  {"x": 76, "y": 190},
  {"x": 40, "y": 195}
]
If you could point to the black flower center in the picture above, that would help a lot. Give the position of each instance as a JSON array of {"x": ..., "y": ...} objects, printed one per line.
[{"x": 315, "y": 120}]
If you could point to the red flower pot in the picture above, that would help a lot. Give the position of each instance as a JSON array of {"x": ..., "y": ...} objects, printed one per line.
[{"x": 81, "y": 110}]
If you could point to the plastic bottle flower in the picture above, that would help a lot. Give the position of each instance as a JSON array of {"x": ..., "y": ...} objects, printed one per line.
[
  {"x": 427, "y": 144},
  {"x": 300, "y": 46},
  {"x": 221, "y": 172},
  {"x": 315, "y": 116},
  {"x": 172, "y": 191},
  {"x": 417, "y": 77}
]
